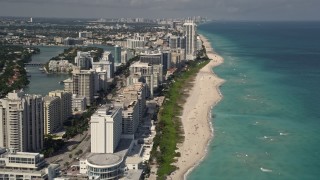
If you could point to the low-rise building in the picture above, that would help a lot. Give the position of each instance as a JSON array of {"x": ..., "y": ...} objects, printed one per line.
[
  {"x": 107, "y": 166},
  {"x": 26, "y": 166},
  {"x": 60, "y": 66},
  {"x": 85, "y": 34}
]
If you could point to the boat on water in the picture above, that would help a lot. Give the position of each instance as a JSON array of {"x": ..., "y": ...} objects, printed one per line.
[{"x": 61, "y": 82}]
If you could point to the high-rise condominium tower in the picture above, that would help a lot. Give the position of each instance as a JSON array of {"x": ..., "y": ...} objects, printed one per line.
[
  {"x": 21, "y": 122},
  {"x": 190, "y": 31}
]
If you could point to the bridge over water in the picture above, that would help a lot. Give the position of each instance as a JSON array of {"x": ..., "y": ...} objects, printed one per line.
[{"x": 34, "y": 64}]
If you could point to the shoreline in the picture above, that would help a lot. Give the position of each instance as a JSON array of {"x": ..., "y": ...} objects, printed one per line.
[{"x": 197, "y": 115}]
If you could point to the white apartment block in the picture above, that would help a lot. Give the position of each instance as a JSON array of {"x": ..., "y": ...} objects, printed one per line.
[
  {"x": 21, "y": 122},
  {"x": 106, "y": 129},
  {"x": 130, "y": 115},
  {"x": 65, "y": 103},
  {"x": 82, "y": 83},
  {"x": 134, "y": 43},
  {"x": 136, "y": 91},
  {"x": 52, "y": 114},
  {"x": 60, "y": 66},
  {"x": 177, "y": 57},
  {"x": 86, "y": 85},
  {"x": 105, "y": 63},
  {"x": 83, "y": 60},
  {"x": 78, "y": 103},
  {"x": 100, "y": 80},
  {"x": 149, "y": 73},
  {"x": 151, "y": 57},
  {"x": 126, "y": 55},
  {"x": 135, "y": 78},
  {"x": 177, "y": 42},
  {"x": 85, "y": 34},
  {"x": 104, "y": 66},
  {"x": 68, "y": 85}
]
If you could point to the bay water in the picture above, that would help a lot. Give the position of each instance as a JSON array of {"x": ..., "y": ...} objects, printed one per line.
[{"x": 42, "y": 83}]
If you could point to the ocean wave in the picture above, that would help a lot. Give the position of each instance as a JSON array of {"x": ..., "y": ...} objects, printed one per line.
[
  {"x": 283, "y": 134},
  {"x": 265, "y": 170},
  {"x": 268, "y": 138},
  {"x": 256, "y": 123}
]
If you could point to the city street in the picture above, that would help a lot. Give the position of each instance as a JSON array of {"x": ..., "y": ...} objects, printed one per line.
[{"x": 79, "y": 142}]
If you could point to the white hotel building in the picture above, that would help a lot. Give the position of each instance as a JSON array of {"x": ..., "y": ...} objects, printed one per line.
[{"x": 106, "y": 129}]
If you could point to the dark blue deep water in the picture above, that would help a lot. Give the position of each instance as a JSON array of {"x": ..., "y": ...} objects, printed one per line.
[{"x": 268, "y": 124}]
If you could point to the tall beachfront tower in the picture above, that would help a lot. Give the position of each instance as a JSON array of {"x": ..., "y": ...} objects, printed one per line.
[{"x": 190, "y": 31}]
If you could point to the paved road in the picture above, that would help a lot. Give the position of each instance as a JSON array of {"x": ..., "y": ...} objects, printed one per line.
[{"x": 73, "y": 145}]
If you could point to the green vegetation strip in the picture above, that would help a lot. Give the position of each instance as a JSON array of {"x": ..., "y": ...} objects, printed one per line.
[{"x": 169, "y": 129}]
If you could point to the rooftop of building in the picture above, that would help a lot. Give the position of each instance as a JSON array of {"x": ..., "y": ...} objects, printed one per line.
[
  {"x": 68, "y": 80},
  {"x": 151, "y": 53},
  {"x": 134, "y": 87},
  {"x": 104, "y": 159},
  {"x": 40, "y": 172},
  {"x": 108, "y": 110},
  {"x": 140, "y": 64},
  {"x": 59, "y": 91},
  {"x": 124, "y": 103},
  {"x": 50, "y": 98},
  {"x": 101, "y": 61},
  {"x": 4, "y": 152},
  {"x": 132, "y": 174},
  {"x": 133, "y": 160},
  {"x": 86, "y": 71},
  {"x": 110, "y": 159}
]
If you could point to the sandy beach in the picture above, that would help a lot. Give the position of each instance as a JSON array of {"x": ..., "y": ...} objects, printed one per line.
[{"x": 196, "y": 117}]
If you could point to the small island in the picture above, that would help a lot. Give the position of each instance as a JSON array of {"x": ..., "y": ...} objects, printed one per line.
[{"x": 64, "y": 62}]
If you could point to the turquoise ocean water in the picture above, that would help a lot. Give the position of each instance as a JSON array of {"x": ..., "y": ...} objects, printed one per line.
[{"x": 267, "y": 126}]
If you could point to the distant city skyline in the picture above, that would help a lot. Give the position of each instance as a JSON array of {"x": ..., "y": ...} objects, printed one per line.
[{"x": 213, "y": 9}]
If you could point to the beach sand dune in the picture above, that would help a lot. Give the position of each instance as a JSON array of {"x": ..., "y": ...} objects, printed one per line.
[{"x": 196, "y": 117}]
